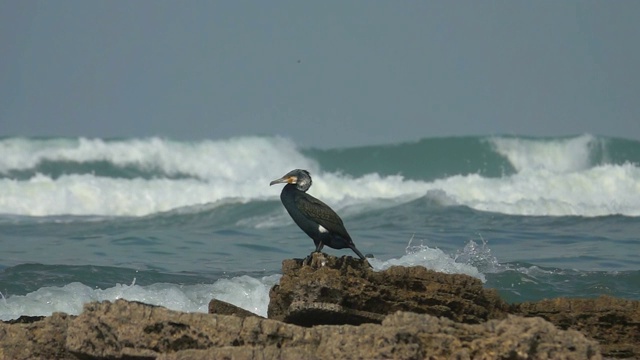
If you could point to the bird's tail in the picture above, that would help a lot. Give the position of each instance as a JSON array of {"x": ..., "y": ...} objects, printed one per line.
[{"x": 353, "y": 247}]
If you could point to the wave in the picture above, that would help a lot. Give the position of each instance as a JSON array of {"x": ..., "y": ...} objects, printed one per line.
[
  {"x": 245, "y": 291},
  {"x": 495, "y": 156},
  {"x": 579, "y": 176},
  {"x": 232, "y": 159},
  {"x": 516, "y": 283}
]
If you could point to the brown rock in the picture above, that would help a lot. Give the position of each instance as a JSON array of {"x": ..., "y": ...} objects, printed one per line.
[
  {"x": 613, "y": 322},
  {"x": 224, "y": 308},
  {"x": 309, "y": 314},
  {"x": 345, "y": 287},
  {"x": 134, "y": 330},
  {"x": 35, "y": 338},
  {"x": 330, "y": 290},
  {"x": 121, "y": 329}
]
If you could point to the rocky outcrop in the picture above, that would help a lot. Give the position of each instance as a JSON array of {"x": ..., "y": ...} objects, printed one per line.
[
  {"x": 328, "y": 307},
  {"x": 330, "y": 290},
  {"x": 615, "y": 323},
  {"x": 130, "y": 330},
  {"x": 35, "y": 338}
]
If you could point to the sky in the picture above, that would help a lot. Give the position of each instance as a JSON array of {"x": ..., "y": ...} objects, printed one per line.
[{"x": 322, "y": 73}]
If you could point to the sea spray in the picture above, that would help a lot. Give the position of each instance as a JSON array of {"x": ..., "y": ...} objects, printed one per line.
[{"x": 430, "y": 258}]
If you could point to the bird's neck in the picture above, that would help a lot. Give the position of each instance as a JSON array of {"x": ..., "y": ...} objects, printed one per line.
[
  {"x": 291, "y": 187},
  {"x": 288, "y": 195}
]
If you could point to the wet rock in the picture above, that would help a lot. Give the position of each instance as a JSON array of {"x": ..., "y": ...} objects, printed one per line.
[
  {"x": 329, "y": 290},
  {"x": 26, "y": 320},
  {"x": 613, "y": 322}
]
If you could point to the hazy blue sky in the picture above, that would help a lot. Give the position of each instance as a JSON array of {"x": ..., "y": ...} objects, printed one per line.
[{"x": 324, "y": 73}]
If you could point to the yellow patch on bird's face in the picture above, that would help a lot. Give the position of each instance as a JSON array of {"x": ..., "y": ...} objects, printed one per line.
[{"x": 292, "y": 179}]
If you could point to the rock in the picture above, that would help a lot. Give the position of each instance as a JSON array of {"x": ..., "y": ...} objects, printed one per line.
[
  {"x": 132, "y": 329},
  {"x": 510, "y": 338},
  {"x": 25, "y": 319},
  {"x": 615, "y": 323},
  {"x": 35, "y": 338},
  {"x": 394, "y": 308},
  {"x": 224, "y": 308},
  {"x": 310, "y": 314},
  {"x": 123, "y": 329},
  {"x": 331, "y": 290}
]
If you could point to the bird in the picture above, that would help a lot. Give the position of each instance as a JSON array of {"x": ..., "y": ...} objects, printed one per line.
[{"x": 314, "y": 217}]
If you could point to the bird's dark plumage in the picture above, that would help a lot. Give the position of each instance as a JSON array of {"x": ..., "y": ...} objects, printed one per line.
[{"x": 314, "y": 217}]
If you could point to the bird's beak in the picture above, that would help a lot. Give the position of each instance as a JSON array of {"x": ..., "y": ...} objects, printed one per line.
[{"x": 286, "y": 179}]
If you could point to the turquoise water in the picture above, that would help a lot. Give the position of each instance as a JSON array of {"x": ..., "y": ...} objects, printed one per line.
[{"x": 177, "y": 223}]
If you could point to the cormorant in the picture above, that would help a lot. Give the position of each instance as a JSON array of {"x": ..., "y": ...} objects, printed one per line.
[{"x": 314, "y": 217}]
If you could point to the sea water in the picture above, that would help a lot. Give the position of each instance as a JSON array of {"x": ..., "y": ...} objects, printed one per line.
[{"x": 177, "y": 223}]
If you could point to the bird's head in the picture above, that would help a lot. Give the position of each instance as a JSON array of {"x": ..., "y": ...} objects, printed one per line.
[{"x": 298, "y": 177}]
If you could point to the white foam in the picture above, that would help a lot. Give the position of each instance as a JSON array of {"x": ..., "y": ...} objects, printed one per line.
[
  {"x": 566, "y": 155},
  {"x": 217, "y": 170},
  {"x": 598, "y": 191},
  {"x": 430, "y": 258},
  {"x": 479, "y": 256},
  {"x": 240, "y": 169},
  {"x": 246, "y": 292},
  {"x": 237, "y": 159},
  {"x": 595, "y": 191},
  {"x": 91, "y": 195}
]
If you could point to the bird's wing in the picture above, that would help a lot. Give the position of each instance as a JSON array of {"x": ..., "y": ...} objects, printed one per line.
[{"x": 321, "y": 213}]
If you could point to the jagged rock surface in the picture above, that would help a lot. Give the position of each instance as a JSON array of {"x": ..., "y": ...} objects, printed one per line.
[
  {"x": 130, "y": 330},
  {"x": 224, "y": 308},
  {"x": 330, "y": 290},
  {"x": 341, "y": 290},
  {"x": 35, "y": 338},
  {"x": 613, "y": 322}
]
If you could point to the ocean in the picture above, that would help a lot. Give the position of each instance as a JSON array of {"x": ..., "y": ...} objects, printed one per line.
[{"x": 177, "y": 223}]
